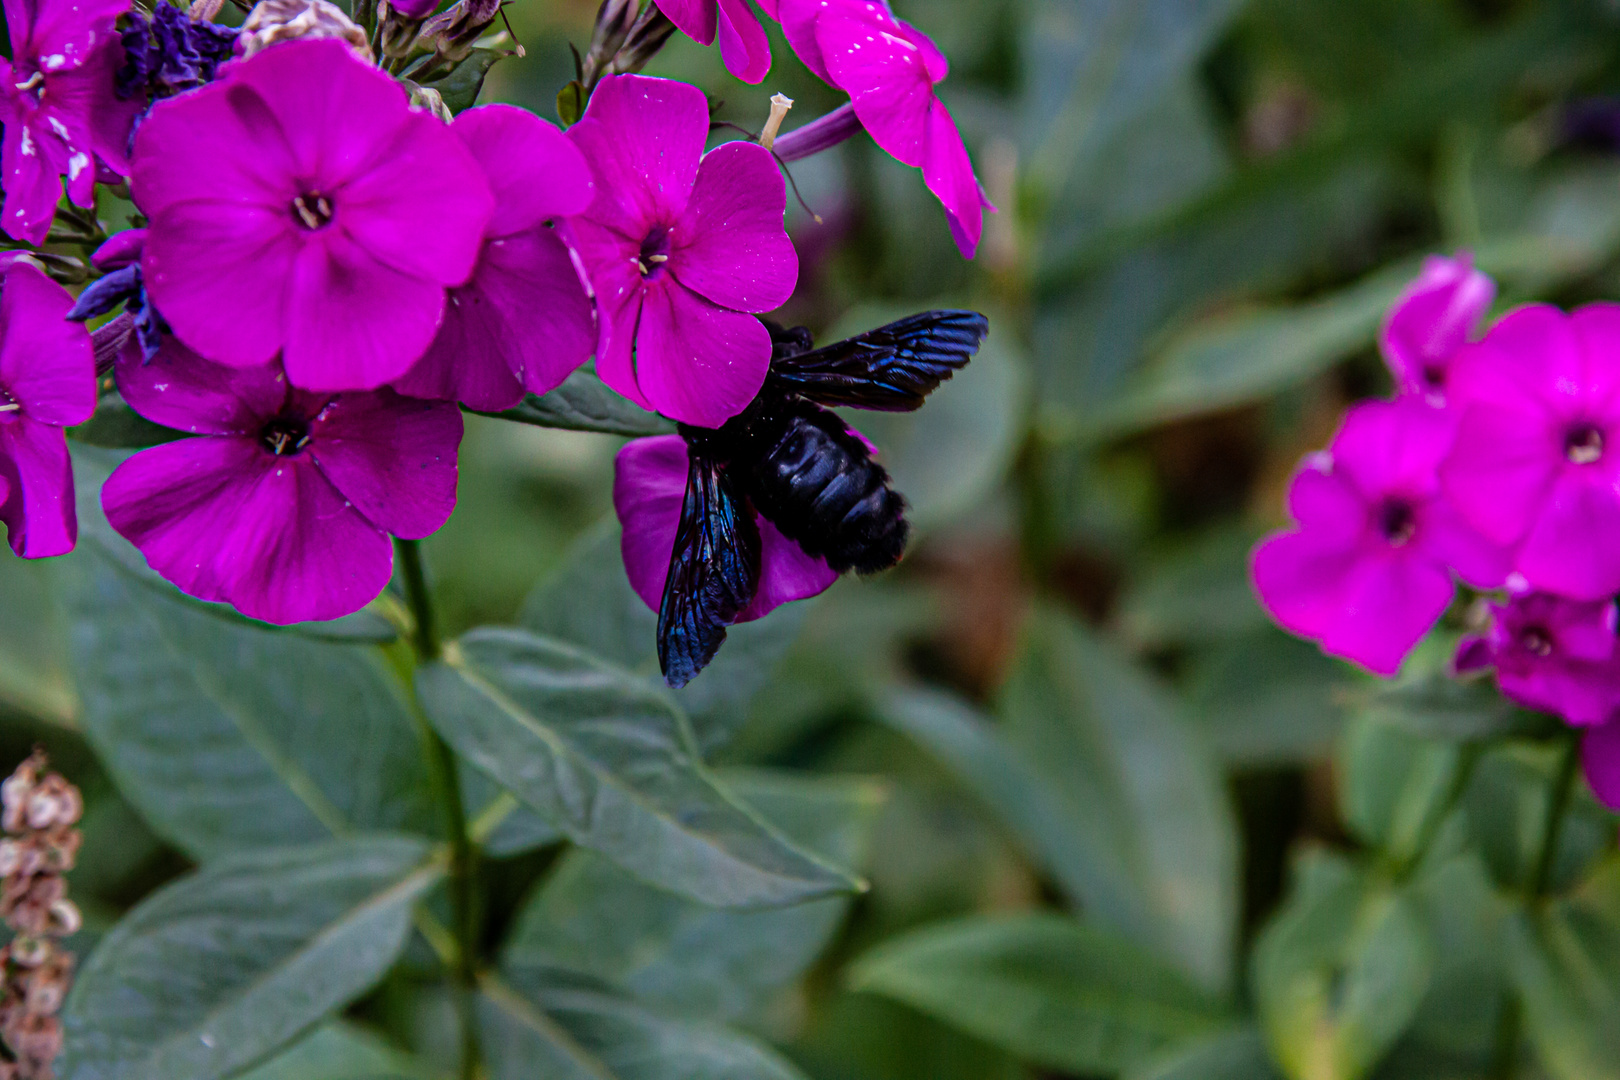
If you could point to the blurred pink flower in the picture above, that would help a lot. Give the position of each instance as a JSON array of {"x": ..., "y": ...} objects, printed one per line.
[
  {"x": 1600, "y": 760},
  {"x": 1431, "y": 321},
  {"x": 1535, "y": 465},
  {"x": 1367, "y": 571},
  {"x": 1555, "y": 655},
  {"x": 743, "y": 44}
]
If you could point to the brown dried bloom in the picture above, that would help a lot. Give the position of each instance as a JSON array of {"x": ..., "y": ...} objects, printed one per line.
[
  {"x": 38, "y": 812},
  {"x": 274, "y": 21}
]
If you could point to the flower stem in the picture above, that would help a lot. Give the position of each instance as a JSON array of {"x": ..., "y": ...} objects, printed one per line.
[{"x": 441, "y": 764}]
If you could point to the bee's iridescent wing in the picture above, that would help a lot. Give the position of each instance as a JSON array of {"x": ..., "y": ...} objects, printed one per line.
[
  {"x": 713, "y": 571},
  {"x": 892, "y": 368}
]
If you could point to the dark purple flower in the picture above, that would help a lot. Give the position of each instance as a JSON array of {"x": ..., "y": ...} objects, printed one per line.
[
  {"x": 1600, "y": 760},
  {"x": 331, "y": 221},
  {"x": 1367, "y": 571},
  {"x": 1559, "y": 656},
  {"x": 1431, "y": 321},
  {"x": 524, "y": 320},
  {"x": 123, "y": 284},
  {"x": 682, "y": 247},
  {"x": 1535, "y": 464},
  {"x": 58, "y": 107},
  {"x": 47, "y": 383},
  {"x": 743, "y": 44},
  {"x": 284, "y": 505},
  {"x": 169, "y": 51},
  {"x": 649, "y": 485},
  {"x": 889, "y": 70}
]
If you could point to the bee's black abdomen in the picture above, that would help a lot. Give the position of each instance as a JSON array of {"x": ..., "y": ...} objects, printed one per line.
[{"x": 817, "y": 483}]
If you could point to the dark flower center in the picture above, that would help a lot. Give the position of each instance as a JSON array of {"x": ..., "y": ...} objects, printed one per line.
[
  {"x": 1434, "y": 376},
  {"x": 654, "y": 252},
  {"x": 1536, "y": 641},
  {"x": 285, "y": 436},
  {"x": 312, "y": 210},
  {"x": 1397, "y": 521},
  {"x": 1583, "y": 444}
]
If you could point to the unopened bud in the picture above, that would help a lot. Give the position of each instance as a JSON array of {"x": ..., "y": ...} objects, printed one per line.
[
  {"x": 780, "y": 104},
  {"x": 65, "y": 918},
  {"x": 428, "y": 100},
  {"x": 652, "y": 29},
  {"x": 274, "y": 21},
  {"x": 454, "y": 30}
]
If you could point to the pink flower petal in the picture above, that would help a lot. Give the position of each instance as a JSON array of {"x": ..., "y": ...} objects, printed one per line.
[
  {"x": 1452, "y": 541},
  {"x": 620, "y": 289},
  {"x": 179, "y": 389},
  {"x": 786, "y": 574},
  {"x": 32, "y": 165},
  {"x": 1597, "y": 327},
  {"x": 730, "y": 246},
  {"x": 1320, "y": 500},
  {"x": 949, "y": 175},
  {"x": 695, "y": 362},
  {"x": 360, "y": 323},
  {"x": 1432, "y": 320},
  {"x": 886, "y": 78},
  {"x": 798, "y": 19},
  {"x": 1300, "y": 578},
  {"x": 392, "y": 457},
  {"x": 1600, "y": 758},
  {"x": 202, "y": 133},
  {"x": 1389, "y": 604},
  {"x": 643, "y": 138},
  {"x": 533, "y": 170},
  {"x": 38, "y": 509},
  {"x": 1392, "y": 446},
  {"x": 1582, "y": 694},
  {"x": 61, "y": 34},
  {"x": 1521, "y": 363},
  {"x": 1565, "y": 551},
  {"x": 46, "y": 363},
  {"x": 694, "y": 18},
  {"x": 224, "y": 520},
  {"x": 1500, "y": 469},
  {"x": 743, "y": 44},
  {"x": 233, "y": 313},
  {"x": 934, "y": 61}
]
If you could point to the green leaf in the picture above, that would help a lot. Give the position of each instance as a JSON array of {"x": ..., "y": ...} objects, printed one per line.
[
  {"x": 1050, "y": 989},
  {"x": 1507, "y": 812},
  {"x": 1267, "y": 698},
  {"x": 1431, "y": 704},
  {"x": 459, "y": 89},
  {"x": 214, "y": 972},
  {"x": 594, "y": 918},
  {"x": 1339, "y": 973},
  {"x": 584, "y": 403},
  {"x": 339, "y": 1051},
  {"x": 115, "y": 424},
  {"x": 1395, "y": 786},
  {"x": 1565, "y": 964},
  {"x": 588, "y": 602},
  {"x": 1112, "y": 739},
  {"x": 1238, "y": 1054},
  {"x": 228, "y": 737},
  {"x": 33, "y": 642},
  {"x": 610, "y": 761},
  {"x": 564, "y": 1027}
]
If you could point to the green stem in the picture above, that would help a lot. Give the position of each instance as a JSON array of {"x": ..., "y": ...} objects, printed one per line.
[{"x": 446, "y": 784}]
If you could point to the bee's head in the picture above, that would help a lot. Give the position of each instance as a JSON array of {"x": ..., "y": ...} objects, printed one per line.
[{"x": 788, "y": 342}]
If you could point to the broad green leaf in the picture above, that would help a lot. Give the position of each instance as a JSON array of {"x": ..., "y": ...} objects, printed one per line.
[
  {"x": 1507, "y": 801},
  {"x": 584, "y": 403},
  {"x": 594, "y": 918},
  {"x": 33, "y": 642},
  {"x": 459, "y": 89},
  {"x": 1052, "y": 990},
  {"x": 115, "y": 424},
  {"x": 1395, "y": 787},
  {"x": 1565, "y": 964},
  {"x": 946, "y": 456},
  {"x": 563, "y": 1027},
  {"x": 340, "y": 1051},
  {"x": 227, "y": 737},
  {"x": 1238, "y": 1054},
  {"x": 1193, "y": 593},
  {"x": 610, "y": 761},
  {"x": 216, "y": 971},
  {"x": 1112, "y": 740},
  {"x": 1265, "y": 698},
  {"x": 1431, "y": 704},
  {"x": 1339, "y": 973},
  {"x": 588, "y": 602}
]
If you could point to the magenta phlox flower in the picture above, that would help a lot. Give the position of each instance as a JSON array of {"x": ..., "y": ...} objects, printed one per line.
[
  {"x": 59, "y": 108},
  {"x": 284, "y": 504},
  {"x": 1431, "y": 321},
  {"x": 1368, "y": 568},
  {"x": 1600, "y": 760},
  {"x": 332, "y": 219},
  {"x": 649, "y": 485},
  {"x": 1551, "y": 654},
  {"x": 743, "y": 44},
  {"x": 1537, "y": 458},
  {"x": 682, "y": 248},
  {"x": 524, "y": 320},
  {"x": 47, "y": 383},
  {"x": 889, "y": 70}
]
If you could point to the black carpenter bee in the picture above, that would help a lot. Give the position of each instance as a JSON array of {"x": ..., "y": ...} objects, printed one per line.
[{"x": 802, "y": 469}]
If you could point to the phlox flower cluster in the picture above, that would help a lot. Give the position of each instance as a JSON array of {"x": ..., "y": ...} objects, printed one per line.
[
  {"x": 1496, "y": 465},
  {"x": 331, "y": 265}
]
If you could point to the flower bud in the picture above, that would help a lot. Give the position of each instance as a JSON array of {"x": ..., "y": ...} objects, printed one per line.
[
  {"x": 454, "y": 30},
  {"x": 274, "y": 21}
]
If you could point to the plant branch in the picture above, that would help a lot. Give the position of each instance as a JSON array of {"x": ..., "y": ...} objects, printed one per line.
[{"x": 441, "y": 763}]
